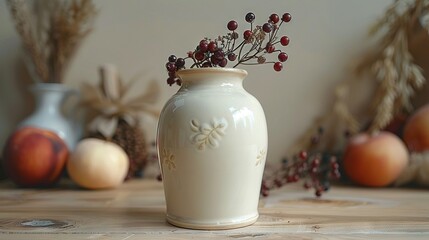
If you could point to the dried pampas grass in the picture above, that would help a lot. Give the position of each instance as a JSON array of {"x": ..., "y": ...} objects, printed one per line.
[
  {"x": 51, "y": 32},
  {"x": 399, "y": 77}
]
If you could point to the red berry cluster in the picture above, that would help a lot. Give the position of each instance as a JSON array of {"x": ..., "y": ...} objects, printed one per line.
[
  {"x": 257, "y": 43},
  {"x": 174, "y": 64},
  {"x": 315, "y": 168}
]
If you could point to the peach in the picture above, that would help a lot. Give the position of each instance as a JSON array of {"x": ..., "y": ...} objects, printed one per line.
[
  {"x": 416, "y": 131},
  {"x": 34, "y": 157},
  {"x": 375, "y": 160}
]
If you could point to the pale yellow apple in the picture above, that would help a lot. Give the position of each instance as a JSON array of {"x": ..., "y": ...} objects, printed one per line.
[{"x": 98, "y": 164}]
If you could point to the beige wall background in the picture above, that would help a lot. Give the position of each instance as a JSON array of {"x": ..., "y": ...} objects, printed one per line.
[{"x": 327, "y": 37}]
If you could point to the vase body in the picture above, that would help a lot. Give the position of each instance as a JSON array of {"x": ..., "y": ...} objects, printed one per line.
[
  {"x": 48, "y": 114},
  {"x": 212, "y": 144}
]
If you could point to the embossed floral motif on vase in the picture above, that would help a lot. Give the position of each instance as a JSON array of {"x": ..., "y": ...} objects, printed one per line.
[
  {"x": 208, "y": 134},
  {"x": 168, "y": 160},
  {"x": 260, "y": 158}
]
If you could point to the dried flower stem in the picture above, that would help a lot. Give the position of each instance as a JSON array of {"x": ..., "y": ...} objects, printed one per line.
[
  {"x": 21, "y": 17},
  {"x": 393, "y": 65},
  {"x": 52, "y": 33}
]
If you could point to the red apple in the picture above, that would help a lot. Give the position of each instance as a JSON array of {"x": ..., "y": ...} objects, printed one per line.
[
  {"x": 34, "y": 157},
  {"x": 416, "y": 131},
  {"x": 375, "y": 160}
]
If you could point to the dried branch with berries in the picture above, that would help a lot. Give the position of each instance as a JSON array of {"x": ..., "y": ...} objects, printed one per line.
[
  {"x": 257, "y": 43},
  {"x": 316, "y": 168}
]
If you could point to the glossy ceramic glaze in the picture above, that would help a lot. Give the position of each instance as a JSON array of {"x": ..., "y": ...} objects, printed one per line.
[
  {"x": 212, "y": 143},
  {"x": 48, "y": 113}
]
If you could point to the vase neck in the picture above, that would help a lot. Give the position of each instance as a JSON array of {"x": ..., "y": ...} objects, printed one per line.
[
  {"x": 211, "y": 78},
  {"x": 50, "y": 97}
]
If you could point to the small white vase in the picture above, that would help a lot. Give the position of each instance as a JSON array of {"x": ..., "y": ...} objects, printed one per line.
[
  {"x": 48, "y": 112},
  {"x": 212, "y": 144}
]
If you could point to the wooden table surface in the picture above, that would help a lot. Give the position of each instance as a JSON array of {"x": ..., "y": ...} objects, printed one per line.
[{"x": 136, "y": 211}]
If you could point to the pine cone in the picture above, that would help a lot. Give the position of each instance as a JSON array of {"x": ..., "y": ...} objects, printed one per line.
[{"x": 131, "y": 139}]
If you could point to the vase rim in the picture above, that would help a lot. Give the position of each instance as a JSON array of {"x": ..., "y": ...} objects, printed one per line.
[{"x": 212, "y": 70}]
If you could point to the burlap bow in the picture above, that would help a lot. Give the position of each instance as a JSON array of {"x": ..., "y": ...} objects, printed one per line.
[{"x": 109, "y": 102}]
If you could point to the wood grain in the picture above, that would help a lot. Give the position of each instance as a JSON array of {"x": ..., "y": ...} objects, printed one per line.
[{"x": 136, "y": 211}]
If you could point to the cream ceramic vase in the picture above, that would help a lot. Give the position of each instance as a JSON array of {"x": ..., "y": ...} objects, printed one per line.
[{"x": 212, "y": 144}]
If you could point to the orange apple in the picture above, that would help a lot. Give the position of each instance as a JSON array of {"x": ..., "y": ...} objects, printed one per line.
[
  {"x": 34, "y": 157},
  {"x": 375, "y": 160},
  {"x": 416, "y": 131}
]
